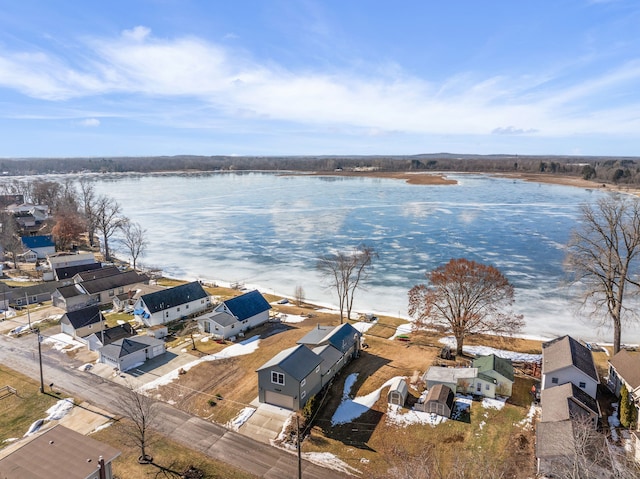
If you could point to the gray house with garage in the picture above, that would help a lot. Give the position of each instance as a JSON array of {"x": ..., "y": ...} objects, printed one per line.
[
  {"x": 290, "y": 378},
  {"x": 235, "y": 315},
  {"x": 128, "y": 353},
  {"x": 82, "y": 322}
]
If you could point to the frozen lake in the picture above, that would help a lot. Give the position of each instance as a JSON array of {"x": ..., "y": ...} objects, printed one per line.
[{"x": 268, "y": 230}]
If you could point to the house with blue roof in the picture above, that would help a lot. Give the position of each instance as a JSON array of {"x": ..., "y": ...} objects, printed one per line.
[
  {"x": 170, "y": 304},
  {"x": 41, "y": 245},
  {"x": 236, "y": 315}
]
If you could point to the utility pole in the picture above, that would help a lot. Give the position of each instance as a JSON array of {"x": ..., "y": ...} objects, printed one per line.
[
  {"x": 40, "y": 359},
  {"x": 298, "y": 441},
  {"x": 26, "y": 302}
]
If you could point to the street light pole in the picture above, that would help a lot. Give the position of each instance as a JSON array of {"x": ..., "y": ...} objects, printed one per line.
[{"x": 26, "y": 299}]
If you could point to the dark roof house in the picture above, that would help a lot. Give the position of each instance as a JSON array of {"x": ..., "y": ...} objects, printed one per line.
[
  {"x": 247, "y": 305},
  {"x": 171, "y": 297}
]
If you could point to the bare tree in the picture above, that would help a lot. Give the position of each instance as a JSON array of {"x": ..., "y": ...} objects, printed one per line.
[
  {"x": 108, "y": 221},
  {"x": 135, "y": 240},
  {"x": 298, "y": 294},
  {"x": 140, "y": 412},
  {"x": 89, "y": 208},
  {"x": 467, "y": 298},
  {"x": 344, "y": 272},
  {"x": 603, "y": 256},
  {"x": 68, "y": 228},
  {"x": 9, "y": 236}
]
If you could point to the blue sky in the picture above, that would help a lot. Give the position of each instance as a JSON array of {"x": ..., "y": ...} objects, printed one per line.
[{"x": 276, "y": 77}]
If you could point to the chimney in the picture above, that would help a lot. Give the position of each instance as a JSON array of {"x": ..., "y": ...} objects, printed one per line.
[{"x": 102, "y": 474}]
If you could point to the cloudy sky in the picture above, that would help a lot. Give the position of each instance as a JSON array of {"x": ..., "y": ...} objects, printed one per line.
[{"x": 281, "y": 77}]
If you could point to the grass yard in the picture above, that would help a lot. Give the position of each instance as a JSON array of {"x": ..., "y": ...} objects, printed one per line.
[
  {"x": 21, "y": 410},
  {"x": 165, "y": 453}
]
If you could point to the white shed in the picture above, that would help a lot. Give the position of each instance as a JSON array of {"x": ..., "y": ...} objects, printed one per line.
[{"x": 397, "y": 392}]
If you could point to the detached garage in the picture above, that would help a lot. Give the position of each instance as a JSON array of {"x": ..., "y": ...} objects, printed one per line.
[{"x": 128, "y": 353}]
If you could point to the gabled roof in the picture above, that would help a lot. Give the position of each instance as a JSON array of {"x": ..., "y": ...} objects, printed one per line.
[
  {"x": 222, "y": 318},
  {"x": 247, "y": 305},
  {"x": 494, "y": 363},
  {"x": 114, "y": 281},
  {"x": 70, "y": 271},
  {"x": 70, "y": 291},
  {"x": 442, "y": 394},
  {"x": 123, "y": 347},
  {"x": 172, "y": 297},
  {"x": 39, "y": 288},
  {"x": 627, "y": 365},
  {"x": 567, "y": 401},
  {"x": 564, "y": 352},
  {"x": 33, "y": 242},
  {"x": 554, "y": 439},
  {"x": 84, "y": 317},
  {"x": 95, "y": 273},
  {"x": 315, "y": 336},
  {"x": 115, "y": 333},
  {"x": 297, "y": 362},
  {"x": 56, "y": 453},
  {"x": 329, "y": 355},
  {"x": 342, "y": 337}
]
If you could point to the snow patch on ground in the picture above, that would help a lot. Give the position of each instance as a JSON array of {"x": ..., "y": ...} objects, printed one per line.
[
  {"x": 63, "y": 342},
  {"x": 614, "y": 422},
  {"x": 100, "y": 428},
  {"x": 461, "y": 405},
  {"x": 396, "y": 417},
  {"x": 59, "y": 409},
  {"x": 291, "y": 318},
  {"x": 402, "y": 329},
  {"x": 241, "y": 418},
  {"x": 486, "y": 350},
  {"x": 350, "y": 409},
  {"x": 327, "y": 459},
  {"x": 497, "y": 403},
  {"x": 364, "y": 326},
  {"x": 247, "y": 346},
  {"x": 527, "y": 422}
]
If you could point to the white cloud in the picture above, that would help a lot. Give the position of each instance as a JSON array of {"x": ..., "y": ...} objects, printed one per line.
[
  {"x": 227, "y": 84},
  {"x": 89, "y": 122}
]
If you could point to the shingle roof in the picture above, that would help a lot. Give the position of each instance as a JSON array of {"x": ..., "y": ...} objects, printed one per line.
[
  {"x": 442, "y": 394},
  {"x": 449, "y": 375},
  {"x": 57, "y": 453},
  {"x": 44, "y": 287},
  {"x": 315, "y": 336},
  {"x": 297, "y": 361},
  {"x": 70, "y": 271},
  {"x": 120, "y": 331},
  {"x": 84, "y": 317},
  {"x": 627, "y": 365},
  {"x": 222, "y": 318},
  {"x": 123, "y": 347},
  {"x": 247, "y": 305},
  {"x": 114, "y": 281},
  {"x": 32, "y": 242},
  {"x": 567, "y": 401},
  {"x": 494, "y": 363},
  {"x": 554, "y": 439},
  {"x": 70, "y": 291},
  {"x": 566, "y": 351},
  {"x": 172, "y": 297},
  {"x": 342, "y": 337},
  {"x": 329, "y": 355},
  {"x": 95, "y": 273}
]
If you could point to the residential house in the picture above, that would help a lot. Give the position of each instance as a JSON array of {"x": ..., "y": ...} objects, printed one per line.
[
  {"x": 397, "y": 392},
  {"x": 127, "y": 353},
  {"x": 68, "y": 272},
  {"x": 42, "y": 245},
  {"x": 172, "y": 303},
  {"x": 290, "y": 378},
  {"x": 555, "y": 447},
  {"x": 64, "y": 259},
  {"x": 8, "y": 200},
  {"x": 332, "y": 362},
  {"x": 457, "y": 379},
  {"x": 96, "y": 273},
  {"x": 34, "y": 294},
  {"x": 72, "y": 297},
  {"x": 103, "y": 289},
  {"x": 57, "y": 453},
  {"x": 28, "y": 256},
  {"x": 624, "y": 368},
  {"x": 109, "y": 335},
  {"x": 569, "y": 402},
  {"x": 236, "y": 315},
  {"x": 6, "y": 296},
  {"x": 82, "y": 322},
  {"x": 345, "y": 338},
  {"x": 566, "y": 360},
  {"x": 439, "y": 400},
  {"x": 127, "y": 300},
  {"x": 500, "y": 370}
]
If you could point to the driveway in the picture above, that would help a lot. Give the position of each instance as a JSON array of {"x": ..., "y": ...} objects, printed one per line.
[{"x": 266, "y": 423}]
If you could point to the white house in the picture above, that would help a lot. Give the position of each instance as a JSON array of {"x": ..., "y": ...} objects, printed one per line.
[
  {"x": 236, "y": 315},
  {"x": 172, "y": 303},
  {"x": 565, "y": 360}
]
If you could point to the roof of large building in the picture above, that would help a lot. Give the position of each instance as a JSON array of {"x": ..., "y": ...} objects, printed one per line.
[
  {"x": 57, "y": 453},
  {"x": 297, "y": 362},
  {"x": 627, "y": 365},
  {"x": 565, "y": 351},
  {"x": 84, "y": 317},
  {"x": 114, "y": 281},
  {"x": 172, "y": 297},
  {"x": 33, "y": 242},
  {"x": 247, "y": 305},
  {"x": 494, "y": 363}
]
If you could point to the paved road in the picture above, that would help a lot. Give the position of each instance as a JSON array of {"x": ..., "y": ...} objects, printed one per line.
[{"x": 196, "y": 433}]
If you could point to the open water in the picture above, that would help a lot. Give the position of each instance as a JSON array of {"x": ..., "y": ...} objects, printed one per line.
[{"x": 268, "y": 230}]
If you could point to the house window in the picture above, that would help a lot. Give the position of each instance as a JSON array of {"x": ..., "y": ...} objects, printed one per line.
[
  {"x": 186, "y": 307},
  {"x": 34, "y": 299},
  {"x": 167, "y": 314},
  {"x": 304, "y": 381},
  {"x": 303, "y": 395},
  {"x": 582, "y": 385},
  {"x": 554, "y": 380},
  {"x": 178, "y": 309},
  {"x": 486, "y": 387},
  {"x": 120, "y": 290},
  {"x": 202, "y": 301},
  {"x": 277, "y": 378},
  {"x": 111, "y": 292}
]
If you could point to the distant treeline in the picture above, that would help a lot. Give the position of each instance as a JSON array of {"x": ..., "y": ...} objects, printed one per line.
[{"x": 619, "y": 170}]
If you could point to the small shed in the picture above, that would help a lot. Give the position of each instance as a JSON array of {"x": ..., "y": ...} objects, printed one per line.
[
  {"x": 439, "y": 400},
  {"x": 397, "y": 392}
]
